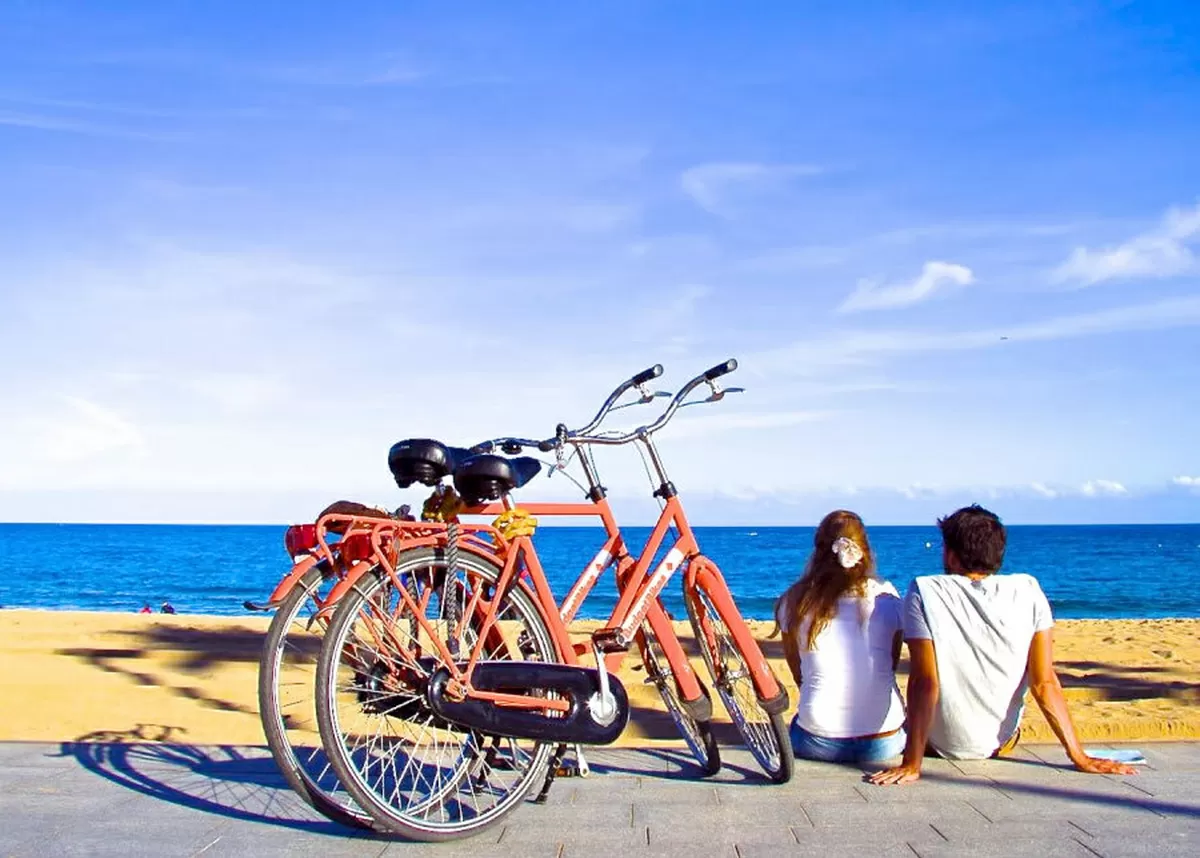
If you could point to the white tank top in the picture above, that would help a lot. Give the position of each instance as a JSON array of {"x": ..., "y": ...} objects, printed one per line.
[{"x": 848, "y": 684}]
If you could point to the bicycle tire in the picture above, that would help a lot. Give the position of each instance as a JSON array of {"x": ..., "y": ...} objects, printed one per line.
[
  {"x": 444, "y": 806},
  {"x": 696, "y": 734},
  {"x": 765, "y": 733},
  {"x": 306, "y": 769}
]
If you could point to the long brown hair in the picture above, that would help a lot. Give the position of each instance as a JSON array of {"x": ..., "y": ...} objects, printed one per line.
[{"x": 825, "y": 580}]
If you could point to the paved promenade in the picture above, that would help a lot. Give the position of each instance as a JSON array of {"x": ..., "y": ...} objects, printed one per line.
[{"x": 166, "y": 800}]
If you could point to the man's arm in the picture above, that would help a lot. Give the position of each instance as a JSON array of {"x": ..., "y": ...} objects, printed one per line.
[
  {"x": 1047, "y": 691},
  {"x": 923, "y": 692}
]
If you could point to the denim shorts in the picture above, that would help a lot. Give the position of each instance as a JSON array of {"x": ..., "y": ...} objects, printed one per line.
[{"x": 810, "y": 746}]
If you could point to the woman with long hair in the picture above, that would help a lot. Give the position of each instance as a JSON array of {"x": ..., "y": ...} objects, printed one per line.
[{"x": 841, "y": 634}]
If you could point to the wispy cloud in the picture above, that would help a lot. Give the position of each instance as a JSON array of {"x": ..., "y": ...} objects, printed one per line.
[
  {"x": 858, "y": 347},
  {"x": 935, "y": 277},
  {"x": 88, "y": 430},
  {"x": 711, "y": 185},
  {"x": 706, "y": 424},
  {"x": 59, "y": 124},
  {"x": 1187, "y": 482},
  {"x": 1164, "y": 251},
  {"x": 1043, "y": 490},
  {"x": 1103, "y": 488}
]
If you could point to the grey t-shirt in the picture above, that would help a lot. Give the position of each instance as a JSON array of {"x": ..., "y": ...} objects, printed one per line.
[{"x": 981, "y": 632}]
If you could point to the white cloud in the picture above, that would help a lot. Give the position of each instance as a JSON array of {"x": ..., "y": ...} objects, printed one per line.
[
  {"x": 1043, "y": 490},
  {"x": 709, "y": 185},
  {"x": 42, "y": 122},
  {"x": 935, "y": 276},
  {"x": 816, "y": 356},
  {"x": 1161, "y": 252},
  {"x": 1187, "y": 482},
  {"x": 703, "y": 425},
  {"x": 89, "y": 431},
  {"x": 1103, "y": 488}
]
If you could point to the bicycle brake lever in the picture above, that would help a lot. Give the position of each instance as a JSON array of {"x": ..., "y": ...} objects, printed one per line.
[{"x": 719, "y": 393}]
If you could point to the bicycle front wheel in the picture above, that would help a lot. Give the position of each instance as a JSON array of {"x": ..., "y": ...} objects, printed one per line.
[
  {"x": 697, "y": 734},
  {"x": 417, "y": 774},
  {"x": 711, "y": 611},
  {"x": 287, "y": 671}
]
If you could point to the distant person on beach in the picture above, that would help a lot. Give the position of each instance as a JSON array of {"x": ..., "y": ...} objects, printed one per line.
[
  {"x": 841, "y": 636},
  {"x": 167, "y": 608},
  {"x": 405, "y": 513},
  {"x": 977, "y": 640},
  {"x": 145, "y": 609}
]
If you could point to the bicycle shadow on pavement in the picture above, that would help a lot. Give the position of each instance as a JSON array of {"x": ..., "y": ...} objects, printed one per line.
[
  {"x": 667, "y": 764},
  {"x": 237, "y": 782}
]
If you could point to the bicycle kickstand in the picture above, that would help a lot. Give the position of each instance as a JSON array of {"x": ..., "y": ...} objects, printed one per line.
[{"x": 552, "y": 771}]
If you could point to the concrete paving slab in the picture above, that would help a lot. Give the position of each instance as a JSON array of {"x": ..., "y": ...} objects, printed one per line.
[{"x": 218, "y": 800}]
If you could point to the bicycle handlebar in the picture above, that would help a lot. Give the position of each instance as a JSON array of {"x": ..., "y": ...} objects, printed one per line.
[
  {"x": 708, "y": 376},
  {"x": 513, "y": 446}
]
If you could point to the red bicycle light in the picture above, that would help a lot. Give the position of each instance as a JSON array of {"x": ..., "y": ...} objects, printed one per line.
[
  {"x": 300, "y": 539},
  {"x": 355, "y": 547}
]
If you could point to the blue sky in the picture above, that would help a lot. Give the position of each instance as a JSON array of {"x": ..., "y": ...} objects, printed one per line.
[{"x": 248, "y": 246}]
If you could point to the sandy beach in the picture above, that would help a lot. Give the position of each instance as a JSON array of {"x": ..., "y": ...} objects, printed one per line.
[{"x": 73, "y": 676}]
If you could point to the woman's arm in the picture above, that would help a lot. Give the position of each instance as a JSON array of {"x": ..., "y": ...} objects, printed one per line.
[
  {"x": 1047, "y": 691},
  {"x": 791, "y": 652},
  {"x": 923, "y": 690}
]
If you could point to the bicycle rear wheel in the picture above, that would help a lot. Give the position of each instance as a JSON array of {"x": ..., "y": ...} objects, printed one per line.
[
  {"x": 416, "y": 774},
  {"x": 696, "y": 733},
  {"x": 287, "y": 672},
  {"x": 763, "y": 731}
]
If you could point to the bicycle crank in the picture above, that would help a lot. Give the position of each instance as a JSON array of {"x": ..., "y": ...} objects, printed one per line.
[{"x": 584, "y": 722}]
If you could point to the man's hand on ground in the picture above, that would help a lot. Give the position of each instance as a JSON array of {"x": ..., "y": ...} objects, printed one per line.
[
  {"x": 1095, "y": 766},
  {"x": 902, "y": 774}
]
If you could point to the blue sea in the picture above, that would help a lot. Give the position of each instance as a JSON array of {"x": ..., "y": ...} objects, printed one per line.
[{"x": 1087, "y": 571}]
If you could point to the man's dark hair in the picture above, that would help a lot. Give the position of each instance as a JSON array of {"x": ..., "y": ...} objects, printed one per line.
[{"x": 976, "y": 537}]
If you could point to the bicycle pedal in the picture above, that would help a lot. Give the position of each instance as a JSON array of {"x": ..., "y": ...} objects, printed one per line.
[{"x": 569, "y": 771}]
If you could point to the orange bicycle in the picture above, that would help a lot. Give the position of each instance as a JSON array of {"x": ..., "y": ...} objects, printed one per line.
[
  {"x": 329, "y": 556},
  {"x": 447, "y": 684}
]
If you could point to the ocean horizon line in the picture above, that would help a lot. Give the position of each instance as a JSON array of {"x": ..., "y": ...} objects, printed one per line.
[{"x": 553, "y": 522}]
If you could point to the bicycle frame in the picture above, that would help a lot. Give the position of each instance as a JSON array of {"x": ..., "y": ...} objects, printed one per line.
[{"x": 520, "y": 566}]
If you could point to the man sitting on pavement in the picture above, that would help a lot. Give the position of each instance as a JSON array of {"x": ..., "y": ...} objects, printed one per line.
[{"x": 977, "y": 641}]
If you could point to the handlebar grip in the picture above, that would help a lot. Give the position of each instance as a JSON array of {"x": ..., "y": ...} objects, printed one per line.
[
  {"x": 721, "y": 369},
  {"x": 647, "y": 374},
  {"x": 548, "y": 445},
  {"x": 485, "y": 447}
]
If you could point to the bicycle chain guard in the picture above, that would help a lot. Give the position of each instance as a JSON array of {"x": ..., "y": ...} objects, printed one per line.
[{"x": 578, "y": 685}]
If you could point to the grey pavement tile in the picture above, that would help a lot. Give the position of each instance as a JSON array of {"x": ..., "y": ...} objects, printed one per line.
[
  {"x": 669, "y": 792},
  {"x": 695, "y": 848},
  {"x": 40, "y": 754},
  {"x": 848, "y": 816},
  {"x": 1064, "y": 847},
  {"x": 262, "y": 842},
  {"x": 928, "y": 790},
  {"x": 1022, "y": 830},
  {"x": 723, "y": 831},
  {"x": 835, "y": 790},
  {"x": 31, "y": 778},
  {"x": 1076, "y": 787},
  {"x": 617, "y": 814},
  {"x": 618, "y": 839},
  {"x": 658, "y": 815},
  {"x": 884, "y": 843},
  {"x": 606, "y": 785},
  {"x": 471, "y": 848},
  {"x": 1059, "y": 808}
]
